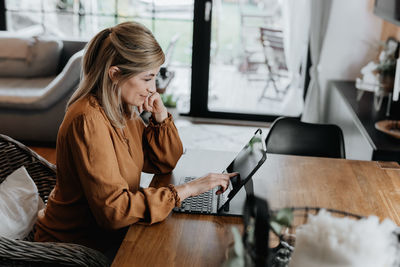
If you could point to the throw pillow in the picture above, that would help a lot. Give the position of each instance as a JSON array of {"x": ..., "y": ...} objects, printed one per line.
[
  {"x": 19, "y": 204},
  {"x": 15, "y": 47},
  {"x": 29, "y": 57}
]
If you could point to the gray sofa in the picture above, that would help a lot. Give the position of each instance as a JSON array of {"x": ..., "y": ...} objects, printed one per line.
[{"x": 32, "y": 109}]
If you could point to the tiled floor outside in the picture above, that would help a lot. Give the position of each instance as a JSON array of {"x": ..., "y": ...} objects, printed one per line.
[{"x": 232, "y": 91}]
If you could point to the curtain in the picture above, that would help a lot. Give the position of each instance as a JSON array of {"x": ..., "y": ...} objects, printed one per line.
[
  {"x": 296, "y": 24},
  {"x": 320, "y": 11}
]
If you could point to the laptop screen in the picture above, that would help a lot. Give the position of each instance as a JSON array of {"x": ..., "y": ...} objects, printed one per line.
[{"x": 246, "y": 164}]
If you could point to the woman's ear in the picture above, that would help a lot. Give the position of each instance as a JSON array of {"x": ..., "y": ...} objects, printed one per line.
[{"x": 113, "y": 73}]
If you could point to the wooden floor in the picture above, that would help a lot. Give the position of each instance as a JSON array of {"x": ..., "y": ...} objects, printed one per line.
[{"x": 46, "y": 152}]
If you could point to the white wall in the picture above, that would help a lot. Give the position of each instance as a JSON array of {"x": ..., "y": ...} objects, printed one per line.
[{"x": 352, "y": 35}]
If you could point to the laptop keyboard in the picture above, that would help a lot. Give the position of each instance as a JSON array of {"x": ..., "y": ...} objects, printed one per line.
[{"x": 198, "y": 204}]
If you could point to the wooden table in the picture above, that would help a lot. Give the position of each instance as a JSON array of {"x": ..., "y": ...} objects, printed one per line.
[{"x": 361, "y": 187}]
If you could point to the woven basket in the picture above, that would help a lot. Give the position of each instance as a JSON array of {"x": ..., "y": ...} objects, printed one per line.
[{"x": 26, "y": 252}]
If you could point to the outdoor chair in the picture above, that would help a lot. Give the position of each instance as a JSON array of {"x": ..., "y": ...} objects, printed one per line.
[
  {"x": 293, "y": 137},
  {"x": 267, "y": 13},
  {"x": 165, "y": 76},
  {"x": 27, "y": 252},
  {"x": 274, "y": 58}
]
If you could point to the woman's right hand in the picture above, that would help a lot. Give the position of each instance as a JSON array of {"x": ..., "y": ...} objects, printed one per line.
[{"x": 204, "y": 184}]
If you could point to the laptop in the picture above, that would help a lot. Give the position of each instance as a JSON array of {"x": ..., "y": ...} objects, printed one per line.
[{"x": 230, "y": 203}]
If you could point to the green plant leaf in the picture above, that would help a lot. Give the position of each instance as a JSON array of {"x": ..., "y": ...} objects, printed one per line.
[
  {"x": 237, "y": 253},
  {"x": 276, "y": 227},
  {"x": 284, "y": 217},
  {"x": 168, "y": 100},
  {"x": 238, "y": 244}
]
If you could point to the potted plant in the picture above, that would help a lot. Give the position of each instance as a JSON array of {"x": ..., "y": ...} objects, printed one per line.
[
  {"x": 386, "y": 67},
  {"x": 170, "y": 102}
]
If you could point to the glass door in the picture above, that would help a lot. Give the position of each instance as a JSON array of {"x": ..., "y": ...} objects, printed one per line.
[
  {"x": 225, "y": 58},
  {"x": 247, "y": 77},
  {"x": 171, "y": 22}
]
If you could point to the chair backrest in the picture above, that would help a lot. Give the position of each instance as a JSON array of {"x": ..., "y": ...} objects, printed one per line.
[
  {"x": 26, "y": 252},
  {"x": 272, "y": 41},
  {"x": 293, "y": 137},
  {"x": 14, "y": 154}
]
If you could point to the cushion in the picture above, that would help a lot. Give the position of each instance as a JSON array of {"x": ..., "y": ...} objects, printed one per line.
[
  {"x": 29, "y": 57},
  {"x": 15, "y": 47},
  {"x": 19, "y": 204},
  {"x": 33, "y": 30}
]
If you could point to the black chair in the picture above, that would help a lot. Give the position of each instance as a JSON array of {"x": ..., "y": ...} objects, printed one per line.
[{"x": 293, "y": 137}]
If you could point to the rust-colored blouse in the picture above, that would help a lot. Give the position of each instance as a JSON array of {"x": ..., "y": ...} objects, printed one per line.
[{"x": 98, "y": 176}]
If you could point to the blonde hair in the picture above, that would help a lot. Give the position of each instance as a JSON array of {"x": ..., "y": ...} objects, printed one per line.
[{"x": 132, "y": 48}]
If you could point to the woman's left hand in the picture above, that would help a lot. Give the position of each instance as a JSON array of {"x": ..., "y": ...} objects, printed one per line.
[{"x": 154, "y": 104}]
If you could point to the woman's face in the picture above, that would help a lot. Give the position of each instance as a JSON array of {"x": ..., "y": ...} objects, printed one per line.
[{"x": 135, "y": 90}]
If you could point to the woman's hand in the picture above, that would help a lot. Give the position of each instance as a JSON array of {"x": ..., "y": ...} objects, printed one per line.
[
  {"x": 154, "y": 104},
  {"x": 203, "y": 184}
]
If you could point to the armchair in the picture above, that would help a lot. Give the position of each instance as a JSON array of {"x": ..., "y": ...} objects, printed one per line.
[
  {"x": 15, "y": 252},
  {"x": 32, "y": 109}
]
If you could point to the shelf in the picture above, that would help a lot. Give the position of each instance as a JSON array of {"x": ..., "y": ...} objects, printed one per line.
[{"x": 363, "y": 116}]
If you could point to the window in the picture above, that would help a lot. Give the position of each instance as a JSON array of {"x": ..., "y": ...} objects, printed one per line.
[{"x": 224, "y": 61}]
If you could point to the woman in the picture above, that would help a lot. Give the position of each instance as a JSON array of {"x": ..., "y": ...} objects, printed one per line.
[{"x": 103, "y": 146}]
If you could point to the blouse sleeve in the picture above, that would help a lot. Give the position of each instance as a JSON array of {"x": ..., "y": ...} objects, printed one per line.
[
  {"x": 107, "y": 192},
  {"x": 162, "y": 146}
]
